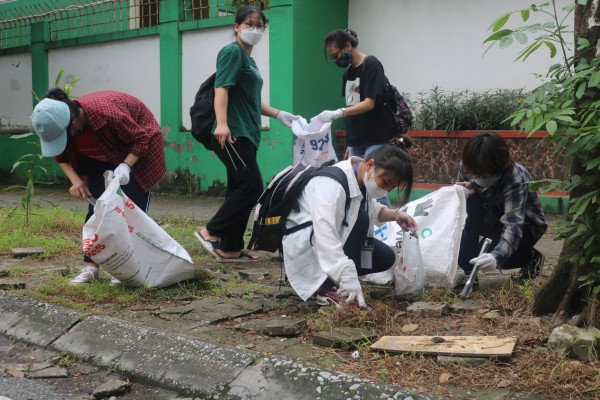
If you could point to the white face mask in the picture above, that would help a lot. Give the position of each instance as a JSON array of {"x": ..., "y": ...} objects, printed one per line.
[
  {"x": 486, "y": 182},
  {"x": 251, "y": 36},
  {"x": 373, "y": 190}
]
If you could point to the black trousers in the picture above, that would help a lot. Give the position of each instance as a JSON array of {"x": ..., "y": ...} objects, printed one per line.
[
  {"x": 383, "y": 255},
  {"x": 244, "y": 187},
  {"x": 470, "y": 243},
  {"x": 96, "y": 186}
]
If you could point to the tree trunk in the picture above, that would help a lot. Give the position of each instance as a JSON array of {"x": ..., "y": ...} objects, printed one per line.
[{"x": 562, "y": 294}]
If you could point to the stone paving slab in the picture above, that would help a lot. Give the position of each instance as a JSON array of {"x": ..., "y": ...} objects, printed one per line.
[
  {"x": 181, "y": 363},
  {"x": 40, "y": 324}
]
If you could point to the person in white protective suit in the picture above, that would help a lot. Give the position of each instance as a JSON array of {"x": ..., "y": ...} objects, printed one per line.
[{"x": 327, "y": 257}]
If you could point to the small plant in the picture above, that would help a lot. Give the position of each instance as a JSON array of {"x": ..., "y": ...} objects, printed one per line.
[
  {"x": 35, "y": 164},
  {"x": 64, "y": 360},
  {"x": 384, "y": 375},
  {"x": 466, "y": 110}
]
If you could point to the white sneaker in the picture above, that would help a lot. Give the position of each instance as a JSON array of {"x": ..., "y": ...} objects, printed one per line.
[
  {"x": 114, "y": 281},
  {"x": 87, "y": 275}
]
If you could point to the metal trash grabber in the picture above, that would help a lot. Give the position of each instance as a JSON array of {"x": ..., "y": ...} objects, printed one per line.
[{"x": 469, "y": 285}]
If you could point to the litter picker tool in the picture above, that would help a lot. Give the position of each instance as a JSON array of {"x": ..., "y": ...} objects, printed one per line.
[{"x": 469, "y": 285}]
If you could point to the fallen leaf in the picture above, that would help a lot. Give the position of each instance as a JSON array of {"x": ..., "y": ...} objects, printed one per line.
[
  {"x": 445, "y": 377},
  {"x": 505, "y": 383},
  {"x": 410, "y": 328}
]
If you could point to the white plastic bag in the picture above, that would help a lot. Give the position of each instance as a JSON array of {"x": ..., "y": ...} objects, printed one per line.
[
  {"x": 409, "y": 273},
  {"x": 130, "y": 246},
  {"x": 313, "y": 144},
  {"x": 441, "y": 217}
]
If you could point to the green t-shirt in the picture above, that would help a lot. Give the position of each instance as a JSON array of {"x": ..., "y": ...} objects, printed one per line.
[{"x": 235, "y": 68}]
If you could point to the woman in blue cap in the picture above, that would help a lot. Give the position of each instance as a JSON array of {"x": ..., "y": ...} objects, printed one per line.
[{"x": 99, "y": 132}]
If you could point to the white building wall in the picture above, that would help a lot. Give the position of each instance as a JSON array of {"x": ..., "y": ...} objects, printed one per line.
[
  {"x": 131, "y": 66},
  {"x": 199, "y": 58},
  {"x": 15, "y": 91},
  {"x": 427, "y": 43}
]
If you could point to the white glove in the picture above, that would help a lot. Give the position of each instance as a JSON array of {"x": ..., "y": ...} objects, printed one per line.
[
  {"x": 286, "y": 118},
  {"x": 350, "y": 287},
  {"x": 486, "y": 262},
  {"x": 328, "y": 115},
  {"x": 122, "y": 171}
]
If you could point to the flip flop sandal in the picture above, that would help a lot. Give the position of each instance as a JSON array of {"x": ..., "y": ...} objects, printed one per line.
[
  {"x": 209, "y": 246},
  {"x": 243, "y": 258}
]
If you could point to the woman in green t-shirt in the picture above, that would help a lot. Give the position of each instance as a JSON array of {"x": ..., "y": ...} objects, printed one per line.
[{"x": 238, "y": 108}]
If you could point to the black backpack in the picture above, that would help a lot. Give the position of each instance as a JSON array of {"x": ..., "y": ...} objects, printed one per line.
[
  {"x": 394, "y": 103},
  {"x": 203, "y": 112},
  {"x": 281, "y": 197}
]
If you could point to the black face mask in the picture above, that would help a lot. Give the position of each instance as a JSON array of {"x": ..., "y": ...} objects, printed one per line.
[{"x": 345, "y": 59}]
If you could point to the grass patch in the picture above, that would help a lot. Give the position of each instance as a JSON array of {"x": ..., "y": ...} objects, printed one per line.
[{"x": 56, "y": 229}]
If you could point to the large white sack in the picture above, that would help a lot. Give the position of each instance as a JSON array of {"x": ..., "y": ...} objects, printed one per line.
[
  {"x": 441, "y": 217},
  {"x": 130, "y": 246}
]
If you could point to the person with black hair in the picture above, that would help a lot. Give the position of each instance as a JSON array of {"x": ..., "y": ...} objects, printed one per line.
[
  {"x": 238, "y": 109},
  {"x": 328, "y": 257},
  {"x": 500, "y": 207},
  {"x": 98, "y": 132},
  {"x": 368, "y": 124}
]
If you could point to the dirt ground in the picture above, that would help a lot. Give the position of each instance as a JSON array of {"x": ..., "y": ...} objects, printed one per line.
[{"x": 533, "y": 371}]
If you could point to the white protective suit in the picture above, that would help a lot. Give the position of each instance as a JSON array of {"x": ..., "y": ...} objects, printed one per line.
[{"x": 310, "y": 260}]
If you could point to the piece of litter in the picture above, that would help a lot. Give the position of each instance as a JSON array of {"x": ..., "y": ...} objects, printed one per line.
[{"x": 355, "y": 354}]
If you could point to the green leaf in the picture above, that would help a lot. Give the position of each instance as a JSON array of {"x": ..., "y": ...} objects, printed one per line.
[
  {"x": 499, "y": 23},
  {"x": 506, "y": 41},
  {"x": 581, "y": 90},
  {"x": 525, "y": 15},
  {"x": 551, "y": 127},
  {"x": 528, "y": 51},
  {"x": 552, "y": 48},
  {"x": 595, "y": 79},
  {"x": 60, "y": 74},
  {"x": 498, "y": 35},
  {"x": 520, "y": 36},
  {"x": 582, "y": 43},
  {"x": 15, "y": 165},
  {"x": 593, "y": 164}
]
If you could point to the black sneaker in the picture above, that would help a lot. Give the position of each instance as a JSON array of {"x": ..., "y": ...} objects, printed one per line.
[
  {"x": 532, "y": 269},
  {"x": 462, "y": 281}
]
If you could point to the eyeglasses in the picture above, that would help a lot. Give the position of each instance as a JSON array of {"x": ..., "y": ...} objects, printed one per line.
[
  {"x": 260, "y": 27},
  {"x": 333, "y": 57}
]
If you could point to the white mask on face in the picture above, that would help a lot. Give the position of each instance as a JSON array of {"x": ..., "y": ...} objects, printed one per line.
[
  {"x": 373, "y": 190},
  {"x": 486, "y": 182},
  {"x": 251, "y": 36}
]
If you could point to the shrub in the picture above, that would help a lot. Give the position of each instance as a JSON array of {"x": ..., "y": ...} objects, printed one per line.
[{"x": 466, "y": 110}]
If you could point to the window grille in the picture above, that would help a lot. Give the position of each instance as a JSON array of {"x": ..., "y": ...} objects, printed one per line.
[
  {"x": 76, "y": 19},
  {"x": 80, "y": 18},
  {"x": 202, "y": 9}
]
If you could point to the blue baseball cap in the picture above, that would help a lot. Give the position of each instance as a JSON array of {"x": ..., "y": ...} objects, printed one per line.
[{"x": 50, "y": 120}]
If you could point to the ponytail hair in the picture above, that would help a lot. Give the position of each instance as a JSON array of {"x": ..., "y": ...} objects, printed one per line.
[
  {"x": 394, "y": 159},
  {"x": 60, "y": 95},
  {"x": 340, "y": 37}
]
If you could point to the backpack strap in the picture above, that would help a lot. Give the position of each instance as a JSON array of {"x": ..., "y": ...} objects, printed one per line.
[{"x": 339, "y": 176}]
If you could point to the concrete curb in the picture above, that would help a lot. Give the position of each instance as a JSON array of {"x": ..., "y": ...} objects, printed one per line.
[{"x": 180, "y": 363}]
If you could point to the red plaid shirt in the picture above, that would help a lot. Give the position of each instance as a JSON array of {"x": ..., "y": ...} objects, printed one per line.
[{"x": 122, "y": 124}]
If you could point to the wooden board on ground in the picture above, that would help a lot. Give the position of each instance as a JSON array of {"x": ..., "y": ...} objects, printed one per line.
[{"x": 474, "y": 346}]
